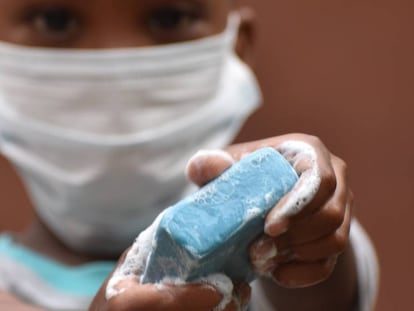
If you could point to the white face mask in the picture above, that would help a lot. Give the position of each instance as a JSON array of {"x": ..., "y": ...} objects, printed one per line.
[{"x": 101, "y": 138}]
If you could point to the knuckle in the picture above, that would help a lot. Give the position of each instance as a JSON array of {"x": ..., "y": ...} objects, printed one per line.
[
  {"x": 334, "y": 216},
  {"x": 340, "y": 243},
  {"x": 351, "y": 198},
  {"x": 329, "y": 181},
  {"x": 313, "y": 140},
  {"x": 342, "y": 164}
]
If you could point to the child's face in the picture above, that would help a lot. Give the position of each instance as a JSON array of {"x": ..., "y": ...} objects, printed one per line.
[
  {"x": 112, "y": 128},
  {"x": 109, "y": 23}
]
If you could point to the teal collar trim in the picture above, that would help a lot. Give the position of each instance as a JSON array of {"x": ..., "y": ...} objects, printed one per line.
[{"x": 83, "y": 280}]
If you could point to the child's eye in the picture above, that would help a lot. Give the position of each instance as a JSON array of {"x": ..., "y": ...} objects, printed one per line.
[
  {"x": 173, "y": 19},
  {"x": 54, "y": 22}
]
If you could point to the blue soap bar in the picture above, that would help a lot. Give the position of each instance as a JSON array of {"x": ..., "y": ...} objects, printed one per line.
[{"x": 210, "y": 230}]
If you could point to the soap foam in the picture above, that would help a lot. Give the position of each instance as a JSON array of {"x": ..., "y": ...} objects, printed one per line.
[
  {"x": 267, "y": 255},
  {"x": 251, "y": 213},
  {"x": 134, "y": 265},
  {"x": 296, "y": 152},
  {"x": 224, "y": 285},
  {"x": 135, "y": 260},
  {"x": 205, "y": 197},
  {"x": 220, "y": 282}
]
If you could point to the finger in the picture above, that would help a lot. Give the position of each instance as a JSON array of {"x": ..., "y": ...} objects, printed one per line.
[
  {"x": 323, "y": 222},
  {"x": 262, "y": 254},
  {"x": 265, "y": 256},
  {"x": 207, "y": 165},
  {"x": 298, "y": 274},
  {"x": 304, "y": 159},
  {"x": 316, "y": 184},
  {"x": 244, "y": 293},
  {"x": 313, "y": 227},
  {"x": 333, "y": 185},
  {"x": 325, "y": 247},
  {"x": 166, "y": 298},
  {"x": 267, "y": 252},
  {"x": 234, "y": 305},
  {"x": 241, "y": 298}
]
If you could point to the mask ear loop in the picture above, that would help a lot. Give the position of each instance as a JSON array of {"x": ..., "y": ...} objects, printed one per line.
[{"x": 232, "y": 28}]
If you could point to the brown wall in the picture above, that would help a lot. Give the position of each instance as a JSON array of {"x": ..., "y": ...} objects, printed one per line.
[{"x": 342, "y": 70}]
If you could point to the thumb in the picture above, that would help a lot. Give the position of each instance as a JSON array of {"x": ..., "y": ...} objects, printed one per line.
[
  {"x": 163, "y": 297},
  {"x": 304, "y": 159},
  {"x": 207, "y": 165}
]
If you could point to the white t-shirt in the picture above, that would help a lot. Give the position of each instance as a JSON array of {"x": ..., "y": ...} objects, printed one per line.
[{"x": 48, "y": 284}]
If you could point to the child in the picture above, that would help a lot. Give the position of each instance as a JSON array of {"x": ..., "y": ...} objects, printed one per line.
[{"x": 101, "y": 104}]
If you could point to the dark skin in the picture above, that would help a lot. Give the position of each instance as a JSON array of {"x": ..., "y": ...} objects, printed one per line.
[
  {"x": 98, "y": 24},
  {"x": 101, "y": 24}
]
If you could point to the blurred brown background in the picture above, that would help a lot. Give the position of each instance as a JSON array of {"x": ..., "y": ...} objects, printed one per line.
[{"x": 342, "y": 70}]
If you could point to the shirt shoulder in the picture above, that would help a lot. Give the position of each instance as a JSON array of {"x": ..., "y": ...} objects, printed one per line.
[
  {"x": 367, "y": 267},
  {"x": 48, "y": 283}
]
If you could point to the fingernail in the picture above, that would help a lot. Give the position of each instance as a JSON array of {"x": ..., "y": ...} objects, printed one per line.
[
  {"x": 207, "y": 162},
  {"x": 276, "y": 226}
]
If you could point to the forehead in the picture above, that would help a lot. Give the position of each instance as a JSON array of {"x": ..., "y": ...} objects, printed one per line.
[
  {"x": 210, "y": 7},
  {"x": 135, "y": 3}
]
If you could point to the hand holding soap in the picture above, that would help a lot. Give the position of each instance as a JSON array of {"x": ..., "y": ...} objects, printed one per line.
[{"x": 210, "y": 231}]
